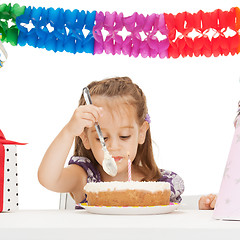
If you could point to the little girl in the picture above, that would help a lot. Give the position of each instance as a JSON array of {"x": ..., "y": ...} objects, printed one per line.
[{"x": 119, "y": 106}]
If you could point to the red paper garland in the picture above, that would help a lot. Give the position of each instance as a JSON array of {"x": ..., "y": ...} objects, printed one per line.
[{"x": 182, "y": 24}]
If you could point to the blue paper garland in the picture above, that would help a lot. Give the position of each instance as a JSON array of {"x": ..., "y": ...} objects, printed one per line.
[{"x": 57, "y": 30}]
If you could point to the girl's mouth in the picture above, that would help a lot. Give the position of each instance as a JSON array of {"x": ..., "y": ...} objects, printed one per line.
[{"x": 118, "y": 159}]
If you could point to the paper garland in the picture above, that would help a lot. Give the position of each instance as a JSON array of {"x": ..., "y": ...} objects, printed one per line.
[
  {"x": 134, "y": 44},
  {"x": 156, "y": 35},
  {"x": 67, "y": 29},
  {"x": 8, "y": 28},
  {"x": 202, "y": 23}
]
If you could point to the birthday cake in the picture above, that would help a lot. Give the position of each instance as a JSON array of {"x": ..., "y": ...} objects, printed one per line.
[{"x": 128, "y": 193}]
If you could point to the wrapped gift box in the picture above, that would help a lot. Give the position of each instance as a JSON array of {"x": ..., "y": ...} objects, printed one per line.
[{"x": 8, "y": 174}]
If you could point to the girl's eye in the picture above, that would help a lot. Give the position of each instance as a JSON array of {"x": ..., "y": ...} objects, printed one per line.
[{"x": 125, "y": 137}]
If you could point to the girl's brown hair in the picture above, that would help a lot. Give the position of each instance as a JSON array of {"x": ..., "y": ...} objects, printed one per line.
[{"x": 124, "y": 87}]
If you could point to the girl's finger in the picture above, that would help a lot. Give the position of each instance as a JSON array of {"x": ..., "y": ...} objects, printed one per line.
[
  {"x": 213, "y": 203},
  {"x": 95, "y": 111},
  {"x": 89, "y": 116},
  {"x": 203, "y": 205},
  {"x": 88, "y": 123},
  {"x": 207, "y": 201}
]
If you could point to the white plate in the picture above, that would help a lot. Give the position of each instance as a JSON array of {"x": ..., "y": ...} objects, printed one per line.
[{"x": 130, "y": 210}]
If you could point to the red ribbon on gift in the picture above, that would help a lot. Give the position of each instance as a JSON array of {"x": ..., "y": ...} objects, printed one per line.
[{"x": 2, "y": 159}]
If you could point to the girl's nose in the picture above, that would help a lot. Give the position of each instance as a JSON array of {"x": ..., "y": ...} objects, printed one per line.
[{"x": 113, "y": 144}]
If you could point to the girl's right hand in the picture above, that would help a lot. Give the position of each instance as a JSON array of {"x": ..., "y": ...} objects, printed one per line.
[{"x": 83, "y": 116}]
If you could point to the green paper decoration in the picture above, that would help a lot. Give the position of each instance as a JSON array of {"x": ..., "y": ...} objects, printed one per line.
[{"x": 8, "y": 27}]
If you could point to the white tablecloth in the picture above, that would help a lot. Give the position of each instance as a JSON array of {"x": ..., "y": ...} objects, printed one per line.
[{"x": 65, "y": 224}]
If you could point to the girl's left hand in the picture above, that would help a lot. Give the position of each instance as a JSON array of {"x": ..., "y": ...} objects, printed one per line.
[{"x": 207, "y": 202}]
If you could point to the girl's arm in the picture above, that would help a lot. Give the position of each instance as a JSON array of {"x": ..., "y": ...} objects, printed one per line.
[{"x": 51, "y": 172}]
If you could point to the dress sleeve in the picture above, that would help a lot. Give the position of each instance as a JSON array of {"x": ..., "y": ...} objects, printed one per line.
[
  {"x": 93, "y": 175},
  {"x": 176, "y": 183}
]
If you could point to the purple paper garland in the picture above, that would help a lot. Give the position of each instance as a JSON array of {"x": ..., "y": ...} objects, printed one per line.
[{"x": 134, "y": 44}]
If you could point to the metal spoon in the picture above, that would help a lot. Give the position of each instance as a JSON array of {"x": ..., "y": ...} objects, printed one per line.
[{"x": 109, "y": 164}]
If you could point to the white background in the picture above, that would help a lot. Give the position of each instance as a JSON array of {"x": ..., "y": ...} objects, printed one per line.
[{"x": 192, "y": 101}]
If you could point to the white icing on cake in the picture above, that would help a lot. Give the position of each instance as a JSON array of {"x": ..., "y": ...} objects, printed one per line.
[{"x": 132, "y": 185}]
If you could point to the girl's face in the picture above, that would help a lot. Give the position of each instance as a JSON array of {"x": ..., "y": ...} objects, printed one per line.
[{"x": 120, "y": 129}]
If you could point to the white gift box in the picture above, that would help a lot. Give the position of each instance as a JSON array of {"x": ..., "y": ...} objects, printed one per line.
[
  {"x": 10, "y": 181},
  {"x": 8, "y": 175}
]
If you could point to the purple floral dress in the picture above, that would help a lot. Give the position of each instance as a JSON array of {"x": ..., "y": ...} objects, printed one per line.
[{"x": 176, "y": 182}]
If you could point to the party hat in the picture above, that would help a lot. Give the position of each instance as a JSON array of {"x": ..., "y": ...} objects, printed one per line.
[{"x": 227, "y": 205}]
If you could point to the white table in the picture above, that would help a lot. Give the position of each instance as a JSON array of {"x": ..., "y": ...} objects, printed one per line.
[{"x": 70, "y": 224}]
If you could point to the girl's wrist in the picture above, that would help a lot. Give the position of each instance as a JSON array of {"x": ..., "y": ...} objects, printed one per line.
[{"x": 67, "y": 130}]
